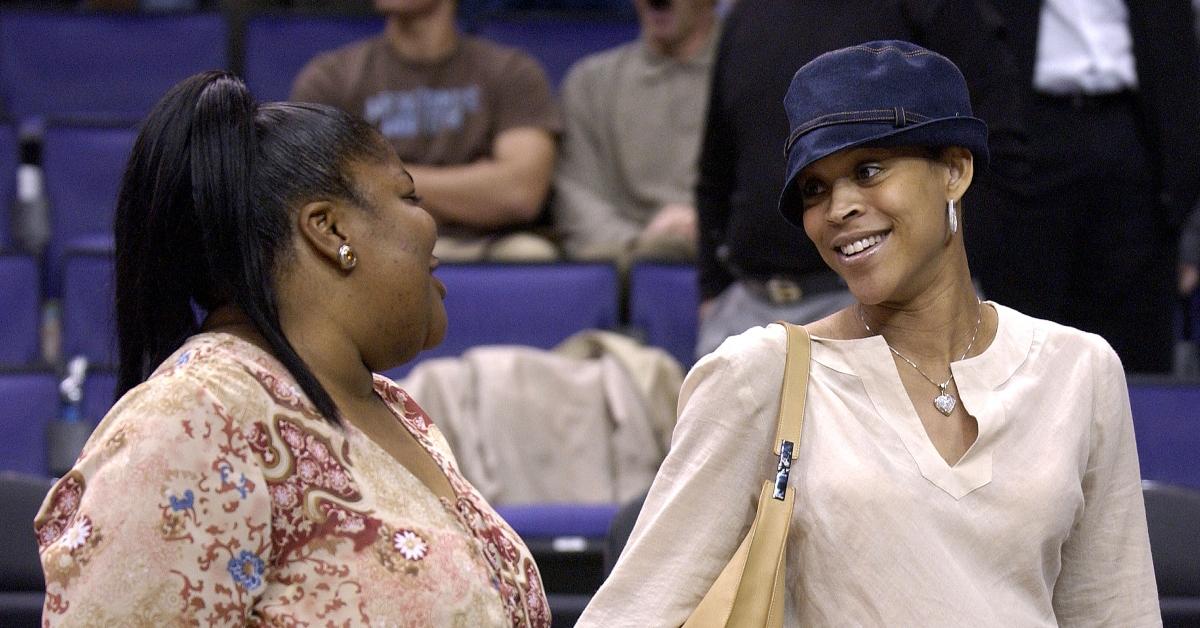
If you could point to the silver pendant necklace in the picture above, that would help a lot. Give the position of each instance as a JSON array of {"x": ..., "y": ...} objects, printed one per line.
[{"x": 944, "y": 401}]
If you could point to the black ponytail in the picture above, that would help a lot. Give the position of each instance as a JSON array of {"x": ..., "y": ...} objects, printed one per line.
[{"x": 203, "y": 215}]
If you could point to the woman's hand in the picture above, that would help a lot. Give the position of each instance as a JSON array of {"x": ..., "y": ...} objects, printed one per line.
[{"x": 1189, "y": 277}]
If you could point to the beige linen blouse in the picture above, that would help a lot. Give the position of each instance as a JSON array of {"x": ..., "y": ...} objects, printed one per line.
[
  {"x": 1041, "y": 523},
  {"x": 214, "y": 495}
]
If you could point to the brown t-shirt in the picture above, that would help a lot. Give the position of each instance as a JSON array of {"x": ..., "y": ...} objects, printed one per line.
[{"x": 443, "y": 113}]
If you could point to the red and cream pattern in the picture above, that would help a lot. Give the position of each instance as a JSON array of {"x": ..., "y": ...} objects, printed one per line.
[{"x": 214, "y": 494}]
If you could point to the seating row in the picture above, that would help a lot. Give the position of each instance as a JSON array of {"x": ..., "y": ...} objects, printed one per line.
[
  {"x": 537, "y": 305},
  {"x": 55, "y": 64},
  {"x": 8, "y": 180},
  {"x": 1166, "y": 415},
  {"x": 91, "y": 76}
]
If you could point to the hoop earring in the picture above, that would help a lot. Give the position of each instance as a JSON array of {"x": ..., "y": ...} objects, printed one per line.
[
  {"x": 952, "y": 215},
  {"x": 346, "y": 257}
]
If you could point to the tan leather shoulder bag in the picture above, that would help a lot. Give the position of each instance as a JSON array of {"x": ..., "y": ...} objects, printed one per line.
[{"x": 750, "y": 590}]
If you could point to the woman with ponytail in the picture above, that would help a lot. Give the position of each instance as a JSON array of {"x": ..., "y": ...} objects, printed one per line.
[{"x": 270, "y": 259}]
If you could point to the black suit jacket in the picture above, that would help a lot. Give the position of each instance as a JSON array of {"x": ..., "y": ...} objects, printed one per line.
[{"x": 1168, "y": 96}]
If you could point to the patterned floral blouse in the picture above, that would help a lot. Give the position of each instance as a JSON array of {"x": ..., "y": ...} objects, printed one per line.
[{"x": 214, "y": 494}]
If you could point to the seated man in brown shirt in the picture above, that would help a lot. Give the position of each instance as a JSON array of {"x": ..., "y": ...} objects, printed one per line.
[{"x": 474, "y": 122}]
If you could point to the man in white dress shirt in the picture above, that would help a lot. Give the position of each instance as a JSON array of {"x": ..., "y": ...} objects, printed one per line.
[{"x": 1084, "y": 229}]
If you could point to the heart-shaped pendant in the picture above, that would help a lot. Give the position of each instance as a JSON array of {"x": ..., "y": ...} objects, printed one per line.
[{"x": 945, "y": 403}]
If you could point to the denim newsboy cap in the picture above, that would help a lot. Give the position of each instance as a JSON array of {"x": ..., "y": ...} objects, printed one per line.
[{"x": 881, "y": 93}]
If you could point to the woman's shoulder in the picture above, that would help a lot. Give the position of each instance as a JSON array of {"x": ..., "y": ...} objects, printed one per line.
[
  {"x": 753, "y": 348},
  {"x": 1053, "y": 338},
  {"x": 223, "y": 374},
  {"x": 200, "y": 397},
  {"x": 741, "y": 364}
]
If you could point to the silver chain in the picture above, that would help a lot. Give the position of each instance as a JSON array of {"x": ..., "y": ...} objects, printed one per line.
[{"x": 942, "y": 386}]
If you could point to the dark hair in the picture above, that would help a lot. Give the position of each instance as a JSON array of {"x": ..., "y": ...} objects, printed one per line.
[{"x": 203, "y": 214}]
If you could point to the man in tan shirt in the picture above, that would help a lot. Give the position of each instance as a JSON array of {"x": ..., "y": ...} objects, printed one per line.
[{"x": 634, "y": 116}]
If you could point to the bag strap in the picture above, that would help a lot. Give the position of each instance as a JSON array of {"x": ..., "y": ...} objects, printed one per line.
[
  {"x": 790, "y": 423},
  {"x": 750, "y": 590}
]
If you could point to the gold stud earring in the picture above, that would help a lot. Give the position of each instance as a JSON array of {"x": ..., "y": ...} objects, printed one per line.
[{"x": 346, "y": 257}]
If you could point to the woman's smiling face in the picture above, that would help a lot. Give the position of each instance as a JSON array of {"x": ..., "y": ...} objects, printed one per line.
[{"x": 878, "y": 216}]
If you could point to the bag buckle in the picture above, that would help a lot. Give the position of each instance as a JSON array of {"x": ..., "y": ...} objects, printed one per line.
[{"x": 784, "y": 470}]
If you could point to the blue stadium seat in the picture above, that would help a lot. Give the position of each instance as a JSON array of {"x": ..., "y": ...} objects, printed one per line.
[
  {"x": 83, "y": 166},
  {"x": 98, "y": 391},
  {"x": 567, "y": 542},
  {"x": 538, "y": 305},
  {"x": 19, "y": 309},
  {"x": 601, "y": 8},
  {"x": 551, "y": 521},
  {"x": 278, "y": 46},
  {"x": 88, "y": 327},
  {"x": 101, "y": 65},
  {"x": 9, "y": 148},
  {"x": 1166, "y": 415},
  {"x": 28, "y": 401},
  {"x": 663, "y": 303},
  {"x": 558, "y": 40}
]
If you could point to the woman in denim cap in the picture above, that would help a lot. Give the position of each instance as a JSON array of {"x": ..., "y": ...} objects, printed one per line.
[{"x": 961, "y": 463}]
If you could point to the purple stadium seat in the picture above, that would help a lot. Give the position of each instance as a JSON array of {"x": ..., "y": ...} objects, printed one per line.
[
  {"x": 88, "y": 327},
  {"x": 83, "y": 166},
  {"x": 101, "y": 65},
  {"x": 278, "y": 46},
  {"x": 28, "y": 401},
  {"x": 558, "y": 41},
  {"x": 8, "y": 174},
  {"x": 19, "y": 309},
  {"x": 98, "y": 391},
  {"x": 663, "y": 304},
  {"x": 550, "y": 521},
  {"x": 537, "y": 305},
  {"x": 1166, "y": 418}
]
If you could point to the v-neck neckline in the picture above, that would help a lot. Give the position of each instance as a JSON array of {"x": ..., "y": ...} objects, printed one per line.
[
  {"x": 976, "y": 378},
  {"x": 417, "y": 424}
]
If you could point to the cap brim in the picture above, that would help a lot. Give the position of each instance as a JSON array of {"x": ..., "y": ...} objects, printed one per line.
[{"x": 967, "y": 132}]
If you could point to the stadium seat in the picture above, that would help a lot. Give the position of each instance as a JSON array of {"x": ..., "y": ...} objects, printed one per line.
[
  {"x": 88, "y": 327},
  {"x": 1173, "y": 518},
  {"x": 603, "y": 8},
  {"x": 101, "y": 65},
  {"x": 83, "y": 166},
  {"x": 663, "y": 304},
  {"x": 1166, "y": 414},
  {"x": 21, "y": 581},
  {"x": 558, "y": 40},
  {"x": 555, "y": 521},
  {"x": 19, "y": 309},
  {"x": 567, "y": 542},
  {"x": 278, "y": 46},
  {"x": 28, "y": 401},
  {"x": 537, "y": 305},
  {"x": 98, "y": 391},
  {"x": 9, "y": 148}
]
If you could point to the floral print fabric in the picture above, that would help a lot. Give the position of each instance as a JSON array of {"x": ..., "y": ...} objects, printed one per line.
[{"x": 213, "y": 494}]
